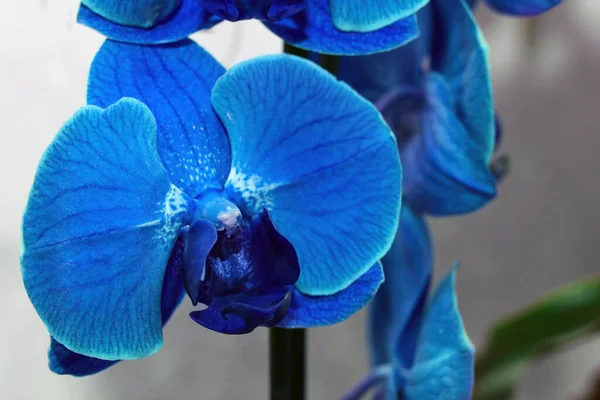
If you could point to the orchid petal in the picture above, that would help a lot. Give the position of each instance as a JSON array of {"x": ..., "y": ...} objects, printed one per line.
[
  {"x": 100, "y": 223},
  {"x": 525, "y": 8},
  {"x": 63, "y": 361},
  {"x": 319, "y": 158},
  {"x": 314, "y": 30},
  {"x": 309, "y": 311},
  {"x": 444, "y": 360},
  {"x": 361, "y": 16},
  {"x": 175, "y": 82},
  {"x": 461, "y": 56},
  {"x": 139, "y": 13},
  {"x": 446, "y": 172},
  {"x": 186, "y": 19},
  {"x": 396, "y": 311}
]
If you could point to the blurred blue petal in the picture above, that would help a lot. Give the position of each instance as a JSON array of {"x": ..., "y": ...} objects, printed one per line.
[
  {"x": 375, "y": 75},
  {"x": 444, "y": 361},
  {"x": 188, "y": 18},
  {"x": 526, "y": 8},
  {"x": 63, "y": 361},
  {"x": 322, "y": 162},
  {"x": 309, "y": 311},
  {"x": 313, "y": 30},
  {"x": 460, "y": 55},
  {"x": 361, "y": 16},
  {"x": 175, "y": 82},
  {"x": 396, "y": 310},
  {"x": 139, "y": 13},
  {"x": 445, "y": 170},
  {"x": 100, "y": 224}
]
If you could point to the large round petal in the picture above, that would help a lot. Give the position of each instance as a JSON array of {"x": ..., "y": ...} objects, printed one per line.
[
  {"x": 319, "y": 158},
  {"x": 175, "y": 82},
  {"x": 314, "y": 30},
  {"x": 188, "y": 18},
  {"x": 63, "y": 361},
  {"x": 445, "y": 169},
  {"x": 310, "y": 311},
  {"x": 100, "y": 224},
  {"x": 460, "y": 54},
  {"x": 444, "y": 361},
  {"x": 140, "y": 13},
  {"x": 367, "y": 16},
  {"x": 526, "y": 8}
]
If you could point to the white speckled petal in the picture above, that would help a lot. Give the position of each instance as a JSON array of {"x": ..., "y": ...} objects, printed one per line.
[{"x": 175, "y": 82}]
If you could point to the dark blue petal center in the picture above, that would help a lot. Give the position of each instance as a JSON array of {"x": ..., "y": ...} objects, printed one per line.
[
  {"x": 243, "y": 276},
  {"x": 264, "y": 10}
]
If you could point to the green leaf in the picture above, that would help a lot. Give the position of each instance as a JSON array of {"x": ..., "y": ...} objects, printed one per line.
[{"x": 564, "y": 316}]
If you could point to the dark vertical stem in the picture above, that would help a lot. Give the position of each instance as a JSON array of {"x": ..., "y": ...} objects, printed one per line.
[
  {"x": 287, "y": 349},
  {"x": 289, "y": 49},
  {"x": 330, "y": 63}
]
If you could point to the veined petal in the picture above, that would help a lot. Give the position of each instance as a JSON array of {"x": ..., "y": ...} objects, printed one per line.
[
  {"x": 319, "y": 158},
  {"x": 310, "y": 311},
  {"x": 100, "y": 223},
  {"x": 175, "y": 82},
  {"x": 446, "y": 172},
  {"x": 444, "y": 361},
  {"x": 397, "y": 308},
  {"x": 63, "y": 361},
  {"x": 140, "y": 13},
  {"x": 314, "y": 30},
  {"x": 368, "y": 16},
  {"x": 460, "y": 54},
  {"x": 184, "y": 20},
  {"x": 526, "y": 8}
]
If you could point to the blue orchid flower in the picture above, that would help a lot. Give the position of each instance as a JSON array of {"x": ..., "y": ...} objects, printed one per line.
[
  {"x": 419, "y": 347},
  {"x": 442, "y": 113},
  {"x": 325, "y": 26},
  {"x": 523, "y": 8},
  {"x": 268, "y": 193}
]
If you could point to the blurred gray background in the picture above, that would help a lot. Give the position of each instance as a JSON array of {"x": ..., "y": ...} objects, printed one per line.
[{"x": 541, "y": 232}]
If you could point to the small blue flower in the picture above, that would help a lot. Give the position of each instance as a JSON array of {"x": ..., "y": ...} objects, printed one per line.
[
  {"x": 419, "y": 347},
  {"x": 268, "y": 193},
  {"x": 326, "y": 26},
  {"x": 436, "y": 95},
  {"x": 523, "y": 8}
]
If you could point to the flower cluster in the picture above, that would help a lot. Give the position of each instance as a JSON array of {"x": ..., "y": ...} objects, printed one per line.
[{"x": 267, "y": 193}]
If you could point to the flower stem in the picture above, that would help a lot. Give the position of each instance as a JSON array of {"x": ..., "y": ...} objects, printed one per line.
[
  {"x": 289, "y": 49},
  {"x": 329, "y": 63},
  {"x": 287, "y": 348}
]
